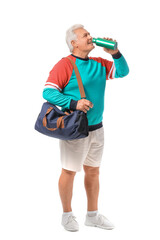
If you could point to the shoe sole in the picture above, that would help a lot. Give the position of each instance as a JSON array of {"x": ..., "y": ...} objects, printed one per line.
[
  {"x": 71, "y": 230},
  {"x": 107, "y": 228}
]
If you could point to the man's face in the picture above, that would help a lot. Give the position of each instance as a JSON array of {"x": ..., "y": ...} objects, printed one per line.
[{"x": 84, "y": 40}]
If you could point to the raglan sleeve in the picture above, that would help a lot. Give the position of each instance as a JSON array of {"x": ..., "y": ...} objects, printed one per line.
[
  {"x": 57, "y": 80},
  {"x": 117, "y": 68}
]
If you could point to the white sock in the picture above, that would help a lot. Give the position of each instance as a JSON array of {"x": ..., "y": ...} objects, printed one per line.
[
  {"x": 92, "y": 213},
  {"x": 67, "y": 213}
]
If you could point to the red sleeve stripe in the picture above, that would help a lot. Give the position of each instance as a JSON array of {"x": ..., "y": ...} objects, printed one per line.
[{"x": 52, "y": 85}]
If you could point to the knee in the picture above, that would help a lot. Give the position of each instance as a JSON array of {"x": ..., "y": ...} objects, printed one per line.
[
  {"x": 68, "y": 172},
  {"x": 91, "y": 171}
]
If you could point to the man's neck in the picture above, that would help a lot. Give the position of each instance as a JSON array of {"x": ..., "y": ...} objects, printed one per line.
[{"x": 80, "y": 54}]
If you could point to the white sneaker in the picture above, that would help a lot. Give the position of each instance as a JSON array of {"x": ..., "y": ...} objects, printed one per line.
[
  {"x": 98, "y": 221},
  {"x": 69, "y": 223}
]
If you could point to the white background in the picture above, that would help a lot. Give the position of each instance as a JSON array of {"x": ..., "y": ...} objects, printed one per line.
[{"x": 32, "y": 41}]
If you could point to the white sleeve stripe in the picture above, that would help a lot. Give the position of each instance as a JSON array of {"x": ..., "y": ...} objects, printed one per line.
[
  {"x": 114, "y": 70},
  {"x": 49, "y": 84},
  {"x": 110, "y": 71},
  {"x": 51, "y": 87}
]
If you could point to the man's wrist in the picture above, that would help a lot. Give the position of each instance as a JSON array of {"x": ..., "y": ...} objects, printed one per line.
[
  {"x": 73, "y": 104},
  {"x": 117, "y": 55}
]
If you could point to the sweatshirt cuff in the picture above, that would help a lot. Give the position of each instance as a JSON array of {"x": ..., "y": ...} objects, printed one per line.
[
  {"x": 73, "y": 104},
  {"x": 117, "y": 55}
]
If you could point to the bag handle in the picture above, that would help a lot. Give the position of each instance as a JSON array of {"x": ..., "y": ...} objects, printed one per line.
[
  {"x": 60, "y": 120},
  {"x": 79, "y": 80}
]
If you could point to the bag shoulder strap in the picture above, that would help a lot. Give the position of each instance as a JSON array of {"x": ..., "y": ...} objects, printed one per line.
[{"x": 79, "y": 80}]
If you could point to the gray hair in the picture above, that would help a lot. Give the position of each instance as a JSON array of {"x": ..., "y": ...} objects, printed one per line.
[{"x": 70, "y": 35}]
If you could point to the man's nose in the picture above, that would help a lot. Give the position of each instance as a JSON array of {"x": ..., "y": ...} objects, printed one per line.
[{"x": 90, "y": 38}]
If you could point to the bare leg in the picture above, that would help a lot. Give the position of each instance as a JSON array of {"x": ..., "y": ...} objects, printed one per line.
[
  {"x": 91, "y": 182},
  {"x": 65, "y": 188}
]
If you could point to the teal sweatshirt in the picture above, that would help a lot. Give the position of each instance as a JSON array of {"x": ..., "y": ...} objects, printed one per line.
[{"x": 61, "y": 87}]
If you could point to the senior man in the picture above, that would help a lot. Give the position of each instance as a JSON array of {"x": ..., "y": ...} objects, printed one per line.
[{"x": 61, "y": 89}]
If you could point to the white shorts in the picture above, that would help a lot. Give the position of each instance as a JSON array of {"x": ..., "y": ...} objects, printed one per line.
[{"x": 87, "y": 151}]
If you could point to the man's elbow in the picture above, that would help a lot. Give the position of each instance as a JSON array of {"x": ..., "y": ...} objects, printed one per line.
[
  {"x": 125, "y": 73},
  {"x": 45, "y": 94}
]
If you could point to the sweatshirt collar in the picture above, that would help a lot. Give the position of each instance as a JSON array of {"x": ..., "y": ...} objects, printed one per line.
[{"x": 84, "y": 59}]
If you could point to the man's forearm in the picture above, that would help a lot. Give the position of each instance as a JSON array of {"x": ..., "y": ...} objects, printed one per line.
[
  {"x": 55, "y": 97},
  {"x": 121, "y": 65}
]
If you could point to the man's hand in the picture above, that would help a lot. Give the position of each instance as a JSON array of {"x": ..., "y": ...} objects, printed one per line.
[
  {"x": 84, "y": 105},
  {"x": 110, "y": 51}
]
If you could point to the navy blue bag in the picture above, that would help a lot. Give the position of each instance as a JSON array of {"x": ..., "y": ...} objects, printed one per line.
[{"x": 66, "y": 125}]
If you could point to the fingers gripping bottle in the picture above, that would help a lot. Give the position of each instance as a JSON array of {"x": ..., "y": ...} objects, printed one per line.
[{"x": 105, "y": 43}]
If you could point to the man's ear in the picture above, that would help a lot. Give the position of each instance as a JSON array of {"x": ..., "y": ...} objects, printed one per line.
[{"x": 74, "y": 44}]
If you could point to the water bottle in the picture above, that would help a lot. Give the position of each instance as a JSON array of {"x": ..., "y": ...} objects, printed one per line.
[{"x": 105, "y": 43}]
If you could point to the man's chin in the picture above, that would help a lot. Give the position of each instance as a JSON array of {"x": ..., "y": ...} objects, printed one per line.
[{"x": 92, "y": 47}]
